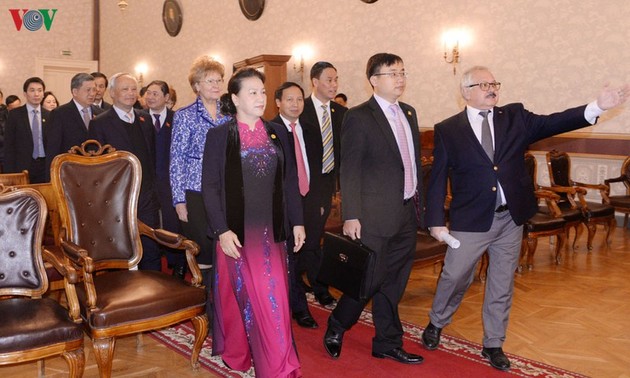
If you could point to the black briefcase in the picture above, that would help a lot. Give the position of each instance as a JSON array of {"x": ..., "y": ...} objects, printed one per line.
[{"x": 347, "y": 265}]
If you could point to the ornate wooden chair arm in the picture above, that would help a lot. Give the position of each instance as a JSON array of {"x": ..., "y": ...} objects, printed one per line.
[
  {"x": 603, "y": 189},
  {"x": 550, "y": 199},
  {"x": 79, "y": 257},
  {"x": 178, "y": 242},
  {"x": 621, "y": 178},
  {"x": 56, "y": 258}
]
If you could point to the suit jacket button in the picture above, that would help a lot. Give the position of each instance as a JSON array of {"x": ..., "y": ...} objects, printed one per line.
[
  {"x": 494, "y": 188},
  {"x": 495, "y": 168}
]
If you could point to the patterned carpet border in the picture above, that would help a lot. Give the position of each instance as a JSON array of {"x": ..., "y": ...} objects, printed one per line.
[{"x": 180, "y": 338}]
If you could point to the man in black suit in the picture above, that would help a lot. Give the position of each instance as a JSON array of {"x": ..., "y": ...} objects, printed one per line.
[
  {"x": 481, "y": 150},
  {"x": 308, "y": 152},
  {"x": 69, "y": 123},
  {"x": 25, "y": 134},
  {"x": 128, "y": 129},
  {"x": 100, "y": 81},
  {"x": 380, "y": 179},
  {"x": 326, "y": 116},
  {"x": 157, "y": 95}
]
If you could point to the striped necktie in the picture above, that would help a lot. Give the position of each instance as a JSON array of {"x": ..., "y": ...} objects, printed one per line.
[{"x": 328, "y": 158}]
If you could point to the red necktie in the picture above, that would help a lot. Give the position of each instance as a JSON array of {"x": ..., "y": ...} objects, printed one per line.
[{"x": 299, "y": 158}]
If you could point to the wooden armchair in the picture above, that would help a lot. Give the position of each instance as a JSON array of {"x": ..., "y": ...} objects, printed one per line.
[
  {"x": 621, "y": 203},
  {"x": 97, "y": 193},
  {"x": 559, "y": 164},
  {"x": 32, "y": 327},
  {"x": 548, "y": 222}
]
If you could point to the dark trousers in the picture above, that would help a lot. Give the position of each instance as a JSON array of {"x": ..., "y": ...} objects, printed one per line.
[
  {"x": 37, "y": 171},
  {"x": 170, "y": 221},
  {"x": 196, "y": 228},
  {"x": 392, "y": 266},
  {"x": 151, "y": 256},
  {"x": 297, "y": 294}
]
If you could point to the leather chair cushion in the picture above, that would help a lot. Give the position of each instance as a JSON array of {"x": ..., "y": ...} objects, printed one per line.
[
  {"x": 31, "y": 323},
  {"x": 128, "y": 296},
  {"x": 598, "y": 210},
  {"x": 543, "y": 222},
  {"x": 620, "y": 201}
]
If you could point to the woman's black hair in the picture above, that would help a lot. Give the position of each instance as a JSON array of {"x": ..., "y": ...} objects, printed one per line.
[{"x": 234, "y": 86}]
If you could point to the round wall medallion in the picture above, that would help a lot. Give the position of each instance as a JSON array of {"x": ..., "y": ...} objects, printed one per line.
[
  {"x": 252, "y": 9},
  {"x": 172, "y": 17}
]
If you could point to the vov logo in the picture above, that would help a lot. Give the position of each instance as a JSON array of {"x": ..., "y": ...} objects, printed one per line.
[{"x": 33, "y": 19}]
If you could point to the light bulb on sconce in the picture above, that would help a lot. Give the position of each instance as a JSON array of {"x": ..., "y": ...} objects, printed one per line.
[
  {"x": 451, "y": 41},
  {"x": 299, "y": 54},
  {"x": 141, "y": 70}
]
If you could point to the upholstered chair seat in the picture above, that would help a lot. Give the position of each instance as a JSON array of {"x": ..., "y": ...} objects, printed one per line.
[
  {"x": 155, "y": 294},
  {"x": 30, "y": 324}
]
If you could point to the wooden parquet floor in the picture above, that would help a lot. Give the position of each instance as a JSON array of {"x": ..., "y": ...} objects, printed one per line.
[{"x": 575, "y": 315}]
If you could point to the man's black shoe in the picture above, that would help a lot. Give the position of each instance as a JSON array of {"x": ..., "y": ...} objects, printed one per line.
[
  {"x": 325, "y": 299},
  {"x": 305, "y": 319},
  {"x": 431, "y": 337},
  {"x": 332, "y": 342},
  {"x": 399, "y": 354},
  {"x": 497, "y": 358}
]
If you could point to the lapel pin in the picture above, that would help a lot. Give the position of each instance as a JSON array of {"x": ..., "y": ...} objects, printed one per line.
[
  {"x": 409, "y": 113},
  {"x": 273, "y": 136}
]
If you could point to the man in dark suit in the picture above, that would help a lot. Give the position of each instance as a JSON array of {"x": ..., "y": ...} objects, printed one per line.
[
  {"x": 326, "y": 116},
  {"x": 157, "y": 95},
  {"x": 69, "y": 123},
  {"x": 131, "y": 130},
  {"x": 100, "y": 81},
  {"x": 481, "y": 150},
  {"x": 26, "y": 133},
  {"x": 308, "y": 151},
  {"x": 380, "y": 179}
]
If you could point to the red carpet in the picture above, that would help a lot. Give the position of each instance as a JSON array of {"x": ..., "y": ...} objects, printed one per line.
[{"x": 455, "y": 357}]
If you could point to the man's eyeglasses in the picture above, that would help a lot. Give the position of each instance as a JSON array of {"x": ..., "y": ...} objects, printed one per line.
[
  {"x": 393, "y": 75},
  {"x": 213, "y": 81},
  {"x": 484, "y": 86}
]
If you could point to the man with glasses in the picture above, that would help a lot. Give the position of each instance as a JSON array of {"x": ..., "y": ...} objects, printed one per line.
[
  {"x": 380, "y": 177},
  {"x": 481, "y": 150}
]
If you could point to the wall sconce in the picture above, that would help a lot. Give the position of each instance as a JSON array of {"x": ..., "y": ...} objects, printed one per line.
[
  {"x": 299, "y": 54},
  {"x": 122, "y": 4},
  {"x": 141, "y": 70},
  {"x": 451, "y": 40}
]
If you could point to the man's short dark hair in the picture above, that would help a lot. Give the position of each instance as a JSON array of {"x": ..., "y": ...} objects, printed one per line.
[
  {"x": 342, "y": 96},
  {"x": 32, "y": 80},
  {"x": 77, "y": 80},
  {"x": 143, "y": 90},
  {"x": 319, "y": 67},
  {"x": 11, "y": 99},
  {"x": 164, "y": 88},
  {"x": 286, "y": 85},
  {"x": 377, "y": 61},
  {"x": 102, "y": 75}
]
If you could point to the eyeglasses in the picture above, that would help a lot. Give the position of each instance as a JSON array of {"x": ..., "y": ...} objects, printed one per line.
[
  {"x": 484, "y": 86},
  {"x": 393, "y": 75},
  {"x": 213, "y": 81}
]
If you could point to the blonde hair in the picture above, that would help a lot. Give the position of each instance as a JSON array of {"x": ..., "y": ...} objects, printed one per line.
[{"x": 201, "y": 67}]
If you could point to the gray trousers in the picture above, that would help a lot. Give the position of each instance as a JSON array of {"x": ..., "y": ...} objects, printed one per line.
[{"x": 503, "y": 243}]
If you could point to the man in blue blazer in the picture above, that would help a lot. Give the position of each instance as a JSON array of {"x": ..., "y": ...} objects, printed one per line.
[
  {"x": 481, "y": 150},
  {"x": 69, "y": 123},
  {"x": 129, "y": 129}
]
